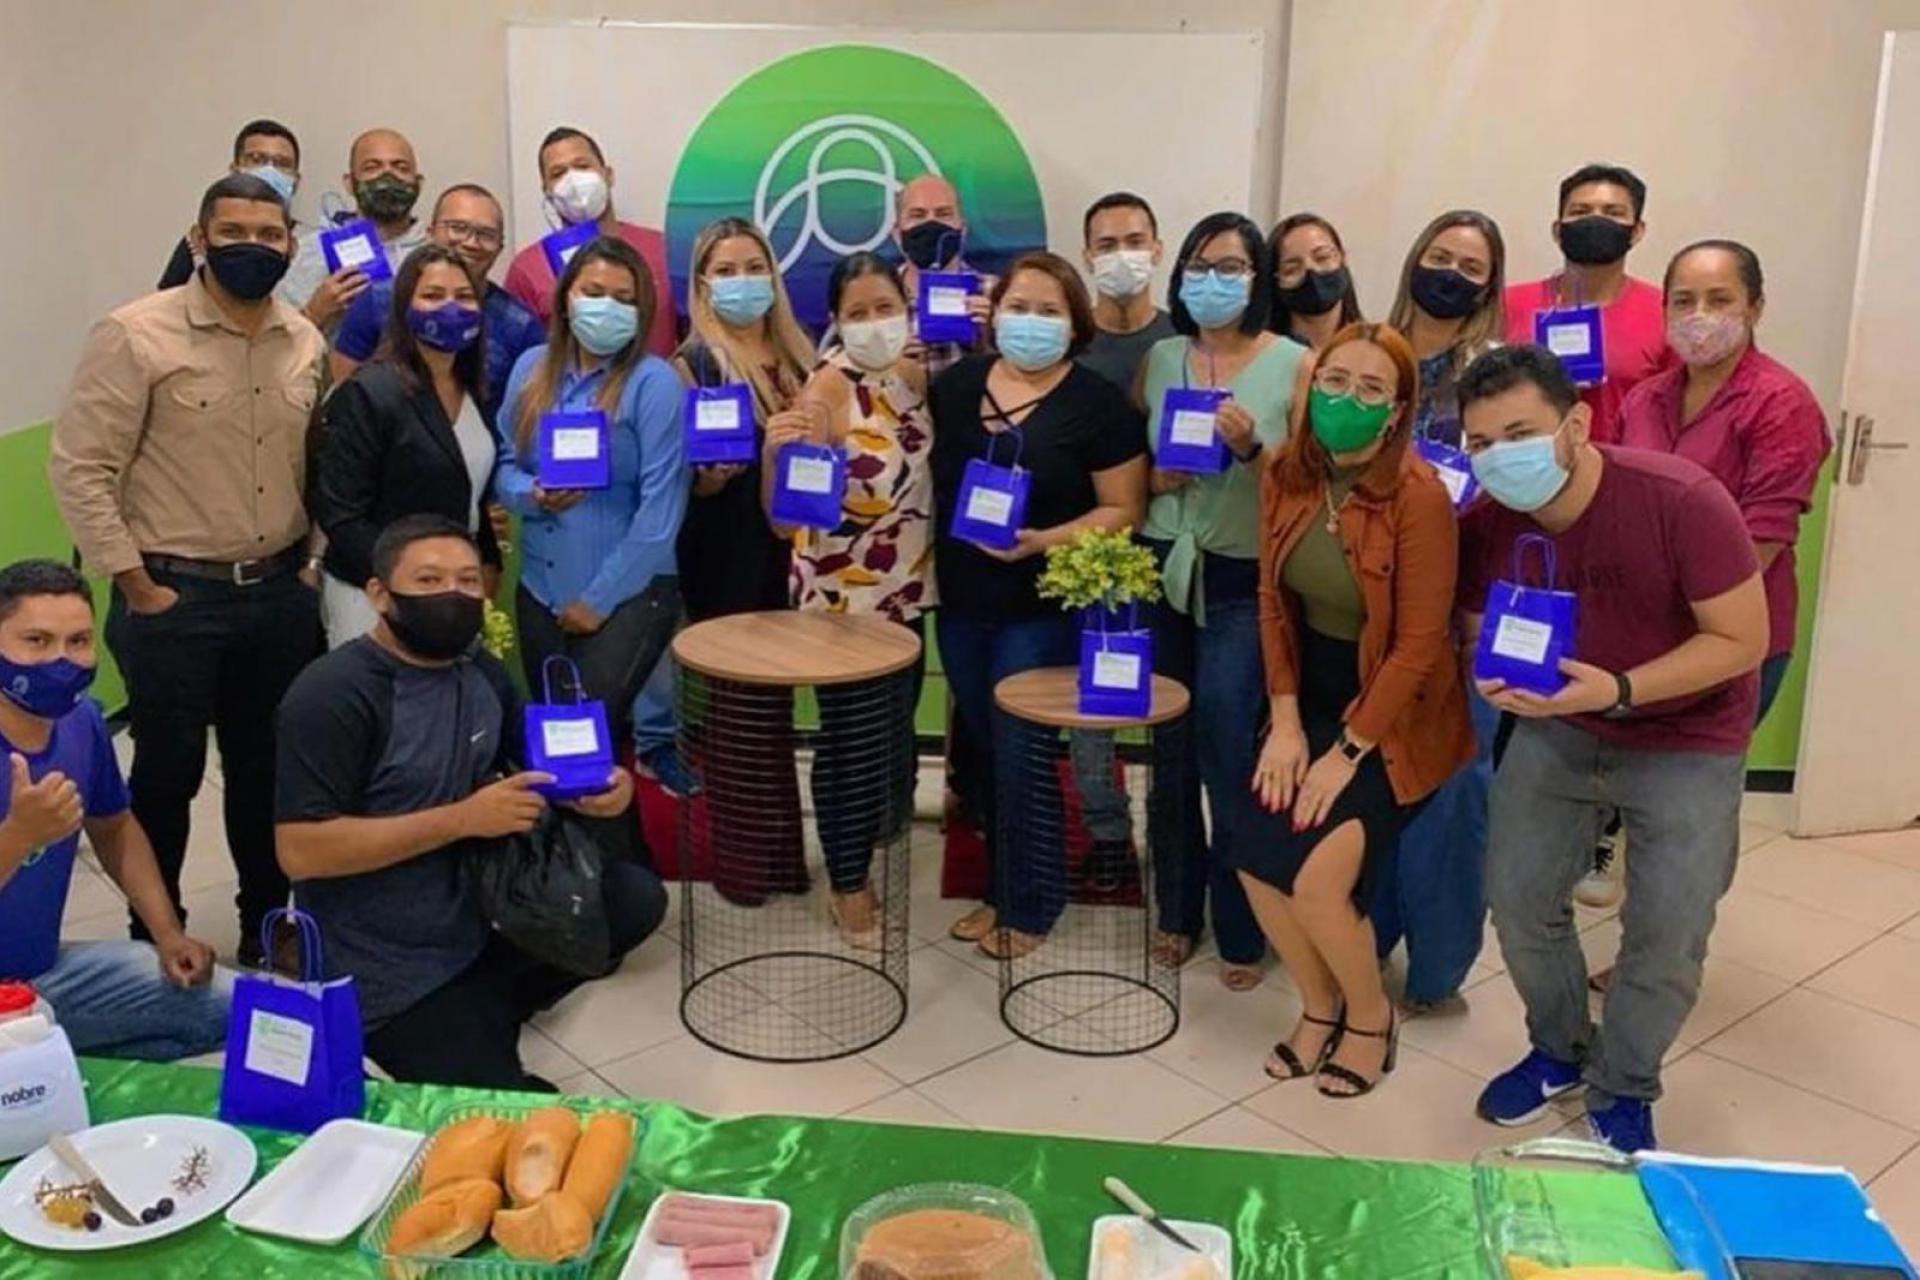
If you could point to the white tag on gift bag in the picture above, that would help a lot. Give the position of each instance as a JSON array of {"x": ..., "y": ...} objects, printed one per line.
[{"x": 279, "y": 1047}]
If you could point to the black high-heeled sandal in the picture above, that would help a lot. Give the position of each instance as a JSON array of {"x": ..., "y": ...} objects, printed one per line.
[
  {"x": 1361, "y": 1085},
  {"x": 1297, "y": 1069}
]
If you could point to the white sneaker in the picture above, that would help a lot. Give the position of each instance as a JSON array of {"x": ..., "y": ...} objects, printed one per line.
[{"x": 1603, "y": 886}]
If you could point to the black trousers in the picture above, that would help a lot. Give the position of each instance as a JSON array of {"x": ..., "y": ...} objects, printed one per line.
[
  {"x": 221, "y": 657},
  {"x": 468, "y": 1032},
  {"x": 614, "y": 661}
]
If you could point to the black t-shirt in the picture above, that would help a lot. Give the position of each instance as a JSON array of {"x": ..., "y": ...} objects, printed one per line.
[
  {"x": 363, "y": 734},
  {"x": 1084, "y": 425}
]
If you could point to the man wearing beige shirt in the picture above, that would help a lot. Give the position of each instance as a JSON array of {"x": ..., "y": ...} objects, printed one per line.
[{"x": 179, "y": 463}]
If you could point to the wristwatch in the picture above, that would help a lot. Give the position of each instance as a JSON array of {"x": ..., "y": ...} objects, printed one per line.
[
  {"x": 1349, "y": 750},
  {"x": 1623, "y": 701}
]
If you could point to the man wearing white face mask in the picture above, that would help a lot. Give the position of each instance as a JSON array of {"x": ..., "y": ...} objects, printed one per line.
[
  {"x": 579, "y": 188},
  {"x": 1122, "y": 250}
]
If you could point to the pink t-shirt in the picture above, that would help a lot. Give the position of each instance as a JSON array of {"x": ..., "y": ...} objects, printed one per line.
[
  {"x": 1660, "y": 534},
  {"x": 530, "y": 279},
  {"x": 1633, "y": 332},
  {"x": 1763, "y": 436}
]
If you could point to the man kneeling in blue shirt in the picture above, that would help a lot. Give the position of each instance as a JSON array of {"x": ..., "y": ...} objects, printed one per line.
[{"x": 121, "y": 999}]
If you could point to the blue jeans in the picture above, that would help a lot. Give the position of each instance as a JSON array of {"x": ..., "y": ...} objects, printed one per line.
[
  {"x": 1431, "y": 889},
  {"x": 1773, "y": 673},
  {"x": 1220, "y": 665},
  {"x": 656, "y": 720},
  {"x": 862, "y": 729},
  {"x": 978, "y": 653},
  {"x": 1681, "y": 811},
  {"x": 112, "y": 1000}
]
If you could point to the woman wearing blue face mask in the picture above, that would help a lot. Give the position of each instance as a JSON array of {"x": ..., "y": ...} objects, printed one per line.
[
  {"x": 408, "y": 434},
  {"x": 1081, "y": 444},
  {"x": 1204, "y": 529},
  {"x": 598, "y": 581}
]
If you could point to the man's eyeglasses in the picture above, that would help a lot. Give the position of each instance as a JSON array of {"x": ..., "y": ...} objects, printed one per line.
[
  {"x": 1338, "y": 382},
  {"x": 263, "y": 159},
  {"x": 485, "y": 237}
]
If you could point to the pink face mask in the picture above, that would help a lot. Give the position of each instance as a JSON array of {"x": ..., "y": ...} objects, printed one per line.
[{"x": 1706, "y": 338}]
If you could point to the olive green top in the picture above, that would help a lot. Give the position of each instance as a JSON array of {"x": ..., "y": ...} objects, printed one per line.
[{"x": 1317, "y": 572}]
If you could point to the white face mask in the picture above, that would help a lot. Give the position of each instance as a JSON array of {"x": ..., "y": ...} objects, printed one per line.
[
  {"x": 580, "y": 196},
  {"x": 1124, "y": 273},
  {"x": 875, "y": 345}
]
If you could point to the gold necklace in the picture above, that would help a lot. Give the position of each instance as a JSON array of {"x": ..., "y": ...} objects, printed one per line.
[{"x": 1333, "y": 512}]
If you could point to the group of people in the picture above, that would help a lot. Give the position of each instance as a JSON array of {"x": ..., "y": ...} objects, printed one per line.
[{"x": 266, "y": 452}]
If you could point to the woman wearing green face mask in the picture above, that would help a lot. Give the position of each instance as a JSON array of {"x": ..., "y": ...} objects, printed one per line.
[{"x": 1368, "y": 716}]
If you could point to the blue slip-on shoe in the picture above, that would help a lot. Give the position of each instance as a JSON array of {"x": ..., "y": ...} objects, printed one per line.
[
  {"x": 1626, "y": 1125},
  {"x": 1521, "y": 1093},
  {"x": 664, "y": 766}
]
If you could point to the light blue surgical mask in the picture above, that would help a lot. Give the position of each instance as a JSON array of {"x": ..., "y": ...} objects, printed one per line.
[
  {"x": 1213, "y": 300},
  {"x": 1524, "y": 475},
  {"x": 1031, "y": 342},
  {"x": 603, "y": 325},
  {"x": 740, "y": 300},
  {"x": 278, "y": 179}
]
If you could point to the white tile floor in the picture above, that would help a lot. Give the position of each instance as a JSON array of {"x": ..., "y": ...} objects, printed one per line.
[{"x": 1805, "y": 1044}]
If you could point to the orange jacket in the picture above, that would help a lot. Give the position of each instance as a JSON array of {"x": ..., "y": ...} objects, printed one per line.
[{"x": 1402, "y": 544}]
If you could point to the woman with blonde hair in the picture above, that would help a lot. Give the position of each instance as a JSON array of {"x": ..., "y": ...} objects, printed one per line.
[{"x": 1448, "y": 307}]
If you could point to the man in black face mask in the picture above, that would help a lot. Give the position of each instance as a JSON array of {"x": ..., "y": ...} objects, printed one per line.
[
  {"x": 179, "y": 463},
  {"x": 386, "y": 182},
  {"x": 398, "y": 752},
  {"x": 931, "y": 231}
]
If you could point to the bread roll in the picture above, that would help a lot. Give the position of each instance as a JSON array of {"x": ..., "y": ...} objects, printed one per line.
[
  {"x": 446, "y": 1221},
  {"x": 471, "y": 1148},
  {"x": 554, "y": 1230},
  {"x": 599, "y": 1163},
  {"x": 536, "y": 1157}
]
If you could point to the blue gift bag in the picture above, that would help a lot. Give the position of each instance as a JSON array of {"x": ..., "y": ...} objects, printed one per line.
[
  {"x": 992, "y": 504},
  {"x": 1574, "y": 334},
  {"x": 718, "y": 423},
  {"x": 1527, "y": 630},
  {"x": 943, "y": 305},
  {"x": 1453, "y": 467},
  {"x": 293, "y": 1048},
  {"x": 1116, "y": 666},
  {"x": 355, "y": 244},
  {"x": 1189, "y": 440},
  {"x": 568, "y": 739},
  {"x": 575, "y": 450},
  {"x": 561, "y": 245},
  {"x": 809, "y": 485}
]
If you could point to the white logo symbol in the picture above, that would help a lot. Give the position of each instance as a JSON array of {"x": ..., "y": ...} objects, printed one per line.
[{"x": 826, "y": 133}]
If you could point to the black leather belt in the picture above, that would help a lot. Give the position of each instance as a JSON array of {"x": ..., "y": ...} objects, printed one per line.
[{"x": 240, "y": 573}]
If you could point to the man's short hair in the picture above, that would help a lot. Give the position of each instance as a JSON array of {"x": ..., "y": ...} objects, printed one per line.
[
  {"x": 466, "y": 189},
  {"x": 241, "y": 186},
  {"x": 264, "y": 129},
  {"x": 407, "y": 530},
  {"x": 561, "y": 133},
  {"x": 26, "y": 578},
  {"x": 1504, "y": 368},
  {"x": 1118, "y": 200},
  {"x": 1613, "y": 173}
]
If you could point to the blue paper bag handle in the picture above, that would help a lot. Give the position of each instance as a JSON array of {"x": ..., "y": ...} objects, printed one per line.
[
  {"x": 1019, "y": 445},
  {"x": 312, "y": 959},
  {"x": 1549, "y": 559},
  {"x": 546, "y": 678}
]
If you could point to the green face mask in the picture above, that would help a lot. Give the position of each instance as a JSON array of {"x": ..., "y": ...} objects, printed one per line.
[
  {"x": 1343, "y": 424},
  {"x": 386, "y": 198}
]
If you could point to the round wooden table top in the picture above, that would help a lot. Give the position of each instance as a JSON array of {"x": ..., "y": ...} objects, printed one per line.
[
  {"x": 1051, "y": 696},
  {"x": 789, "y": 647}
]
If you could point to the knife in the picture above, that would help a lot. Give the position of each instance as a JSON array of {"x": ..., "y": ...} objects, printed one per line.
[
  {"x": 71, "y": 1157},
  {"x": 1127, "y": 1196}
]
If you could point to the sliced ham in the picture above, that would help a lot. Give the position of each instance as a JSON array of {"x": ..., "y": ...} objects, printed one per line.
[
  {"x": 708, "y": 1256},
  {"x": 727, "y": 1273},
  {"x": 677, "y": 1232},
  {"x": 720, "y": 1210}
]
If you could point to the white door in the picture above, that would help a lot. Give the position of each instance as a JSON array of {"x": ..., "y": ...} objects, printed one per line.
[{"x": 1859, "y": 762}]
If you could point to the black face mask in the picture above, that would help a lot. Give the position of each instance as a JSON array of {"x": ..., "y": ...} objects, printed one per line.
[
  {"x": 930, "y": 244},
  {"x": 1444, "y": 293},
  {"x": 247, "y": 270},
  {"x": 1318, "y": 294},
  {"x": 1594, "y": 240},
  {"x": 440, "y": 626}
]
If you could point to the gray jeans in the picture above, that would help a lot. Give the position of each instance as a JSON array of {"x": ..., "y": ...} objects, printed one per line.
[{"x": 1682, "y": 816}]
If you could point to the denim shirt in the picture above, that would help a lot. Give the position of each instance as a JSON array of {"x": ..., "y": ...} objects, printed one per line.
[{"x": 608, "y": 547}]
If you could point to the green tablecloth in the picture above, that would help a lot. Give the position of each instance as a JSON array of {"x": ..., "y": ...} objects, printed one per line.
[{"x": 1292, "y": 1217}]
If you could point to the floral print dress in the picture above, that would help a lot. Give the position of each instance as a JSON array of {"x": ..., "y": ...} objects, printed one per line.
[{"x": 880, "y": 559}]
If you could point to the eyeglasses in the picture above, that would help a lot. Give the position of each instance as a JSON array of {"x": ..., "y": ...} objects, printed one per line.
[
  {"x": 1368, "y": 391},
  {"x": 1225, "y": 268},
  {"x": 262, "y": 159},
  {"x": 456, "y": 231}
]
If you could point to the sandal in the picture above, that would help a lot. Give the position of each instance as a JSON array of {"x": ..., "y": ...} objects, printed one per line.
[
  {"x": 1010, "y": 944},
  {"x": 1361, "y": 1086},
  {"x": 1171, "y": 950},
  {"x": 1296, "y": 1069},
  {"x": 1240, "y": 977},
  {"x": 974, "y": 925}
]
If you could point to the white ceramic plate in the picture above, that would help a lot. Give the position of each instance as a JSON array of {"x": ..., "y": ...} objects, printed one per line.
[
  {"x": 651, "y": 1260},
  {"x": 1158, "y": 1258},
  {"x": 330, "y": 1185},
  {"x": 138, "y": 1160}
]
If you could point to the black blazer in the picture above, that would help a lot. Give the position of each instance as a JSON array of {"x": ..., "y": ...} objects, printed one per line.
[{"x": 386, "y": 450}]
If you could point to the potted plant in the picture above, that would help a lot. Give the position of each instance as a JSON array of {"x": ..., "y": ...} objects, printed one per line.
[{"x": 1107, "y": 576}]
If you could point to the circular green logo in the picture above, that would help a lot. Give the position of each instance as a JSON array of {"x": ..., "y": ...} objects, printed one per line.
[{"x": 815, "y": 147}]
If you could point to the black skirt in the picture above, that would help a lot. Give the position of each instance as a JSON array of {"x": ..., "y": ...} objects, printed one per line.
[{"x": 1272, "y": 851}]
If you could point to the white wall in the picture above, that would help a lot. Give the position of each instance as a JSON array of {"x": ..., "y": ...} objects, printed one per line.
[{"x": 115, "y": 114}]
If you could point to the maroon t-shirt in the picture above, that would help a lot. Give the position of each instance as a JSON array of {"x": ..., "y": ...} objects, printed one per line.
[{"x": 1660, "y": 533}]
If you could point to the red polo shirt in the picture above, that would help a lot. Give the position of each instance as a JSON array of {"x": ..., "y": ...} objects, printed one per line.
[
  {"x": 530, "y": 279},
  {"x": 1633, "y": 331},
  {"x": 1764, "y": 437}
]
